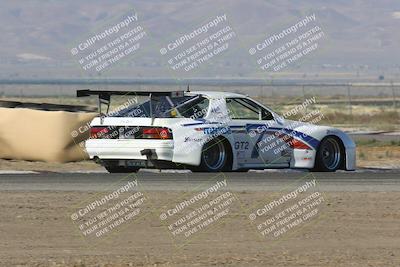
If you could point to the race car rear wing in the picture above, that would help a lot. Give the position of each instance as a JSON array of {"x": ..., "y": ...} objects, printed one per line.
[{"x": 105, "y": 96}]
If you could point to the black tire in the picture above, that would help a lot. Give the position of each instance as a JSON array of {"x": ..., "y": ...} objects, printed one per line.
[
  {"x": 121, "y": 169},
  {"x": 330, "y": 155},
  {"x": 216, "y": 156}
]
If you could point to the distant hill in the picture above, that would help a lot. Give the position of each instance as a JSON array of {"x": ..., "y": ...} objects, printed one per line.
[{"x": 37, "y": 35}]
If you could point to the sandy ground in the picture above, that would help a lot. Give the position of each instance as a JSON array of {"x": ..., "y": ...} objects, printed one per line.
[
  {"x": 353, "y": 229},
  {"x": 23, "y": 165}
]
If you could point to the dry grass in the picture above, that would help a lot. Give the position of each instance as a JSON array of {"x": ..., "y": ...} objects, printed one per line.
[
  {"x": 386, "y": 157},
  {"x": 385, "y": 121},
  {"x": 378, "y": 154}
]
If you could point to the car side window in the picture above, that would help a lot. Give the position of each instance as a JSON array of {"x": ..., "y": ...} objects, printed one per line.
[
  {"x": 195, "y": 109},
  {"x": 265, "y": 114},
  {"x": 245, "y": 109},
  {"x": 240, "y": 110}
]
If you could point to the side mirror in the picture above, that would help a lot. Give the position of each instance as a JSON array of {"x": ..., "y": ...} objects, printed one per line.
[{"x": 279, "y": 120}]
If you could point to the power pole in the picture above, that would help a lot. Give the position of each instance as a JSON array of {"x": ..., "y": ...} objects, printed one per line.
[
  {"x": 394, "y": 95},
  {"x": 350, "y": 104}
]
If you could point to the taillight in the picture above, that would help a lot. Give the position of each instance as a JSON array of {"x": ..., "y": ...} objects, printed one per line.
[
  {"x": 156, "y": 133},
  {"x": 98, "y": 132}
]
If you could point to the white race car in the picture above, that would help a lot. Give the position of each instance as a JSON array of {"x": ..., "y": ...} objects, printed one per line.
[{"x": 211, "y": 132}]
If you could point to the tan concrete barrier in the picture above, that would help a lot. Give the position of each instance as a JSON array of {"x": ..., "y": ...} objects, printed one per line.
[{"x": 38, "y": 135}]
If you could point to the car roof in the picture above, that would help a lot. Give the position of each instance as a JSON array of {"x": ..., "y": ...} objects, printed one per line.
[{"x": 216, "y": 94}]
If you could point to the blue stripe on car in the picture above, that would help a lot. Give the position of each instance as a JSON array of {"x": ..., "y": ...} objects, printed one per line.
[
  {"x": 302, "y": 136},
  {"x": 199, "y": 123}
]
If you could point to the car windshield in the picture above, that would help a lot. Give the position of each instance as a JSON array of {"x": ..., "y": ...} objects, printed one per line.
[{"x": 167, "y": 107}]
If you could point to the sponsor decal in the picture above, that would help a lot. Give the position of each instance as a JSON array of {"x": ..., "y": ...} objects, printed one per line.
[
  {"x": 192, "y": 139},
  {"x": 216, "y": 130}
]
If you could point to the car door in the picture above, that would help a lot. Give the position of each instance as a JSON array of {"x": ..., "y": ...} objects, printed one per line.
[{"x": 256, "y": 134}]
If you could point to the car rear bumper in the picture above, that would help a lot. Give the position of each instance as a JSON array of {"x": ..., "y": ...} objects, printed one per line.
[{"x": 130, "y": 149}]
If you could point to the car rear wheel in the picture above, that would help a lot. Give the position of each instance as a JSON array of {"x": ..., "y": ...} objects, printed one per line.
[
  {"x": 215, "y": 157},
  {"x": 330, "y": 155},
  {"x": 121, "y": 169}
]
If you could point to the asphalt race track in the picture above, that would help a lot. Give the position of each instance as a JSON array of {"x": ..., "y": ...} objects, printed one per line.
[
  {"x": 365, "y": 180},
  {"x": 355, "y": 224}
]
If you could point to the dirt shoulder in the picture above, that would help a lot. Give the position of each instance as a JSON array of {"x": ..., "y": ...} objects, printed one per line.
[
  {"x": 23, "y": 165},
  {"x": 354, "y": 229}
]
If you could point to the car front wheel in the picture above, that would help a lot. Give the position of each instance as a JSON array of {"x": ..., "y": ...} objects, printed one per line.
[{"x": 329, "y": 156}]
